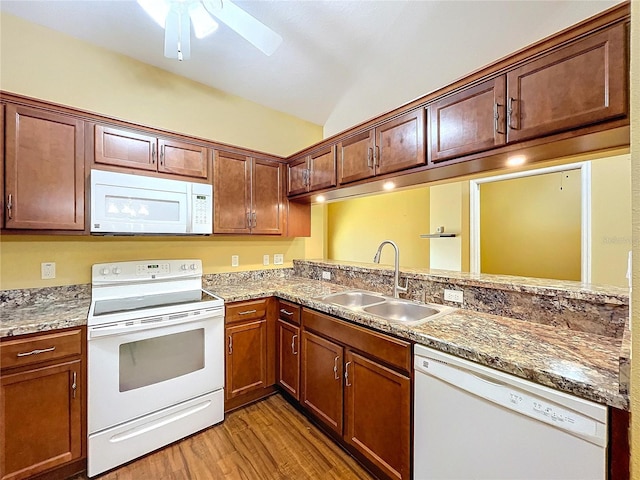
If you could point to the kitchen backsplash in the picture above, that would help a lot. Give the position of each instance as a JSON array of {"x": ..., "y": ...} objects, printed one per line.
[{"x": 563, "y": 304}]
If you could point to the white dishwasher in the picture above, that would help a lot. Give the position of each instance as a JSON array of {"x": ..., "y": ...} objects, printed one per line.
[{"x": 473, "y": 422}]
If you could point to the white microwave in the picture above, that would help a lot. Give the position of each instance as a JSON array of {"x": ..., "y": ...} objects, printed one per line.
[{"x": 125, "y": 204}]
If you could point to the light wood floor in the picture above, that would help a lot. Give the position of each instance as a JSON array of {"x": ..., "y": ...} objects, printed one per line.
[{"x": 266, "y": 440}]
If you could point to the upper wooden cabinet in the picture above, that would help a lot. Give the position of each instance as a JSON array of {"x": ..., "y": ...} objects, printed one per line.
[
  {"x": 395, "y": 145},
  {"x": 44, "y": 170},
  {"x": 468, "y": 121},
  {"x": 574, "y": 86},
  {"x": 124, "y": 148},
  {"x": 313, "y": 172},
  {"x": 247, "y": 195}
]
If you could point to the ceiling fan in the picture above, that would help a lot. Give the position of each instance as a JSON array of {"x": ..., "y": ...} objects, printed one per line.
[{"x": 176, "y": 17}]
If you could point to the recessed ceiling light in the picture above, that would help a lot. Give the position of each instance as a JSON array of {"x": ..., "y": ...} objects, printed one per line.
[
  {"x": 320, "y": 198},
  {"x": 389, "y": 185},
  {"x": 516, "y": 161}
]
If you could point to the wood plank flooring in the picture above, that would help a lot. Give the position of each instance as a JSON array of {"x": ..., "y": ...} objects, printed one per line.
[{"x": 266, "y": 440}]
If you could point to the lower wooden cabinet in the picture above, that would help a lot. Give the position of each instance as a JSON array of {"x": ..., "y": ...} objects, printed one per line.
[
  {"x": 356, "y": 382},
  {"x": 288, "y": 375},
  {"x": 42, "y": 403}
]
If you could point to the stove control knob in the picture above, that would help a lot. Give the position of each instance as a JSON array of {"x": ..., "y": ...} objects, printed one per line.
[
  {"x": 184, "y": 266},
  {"x": 105, "y": 271},
  {"x": 116, "y": 270},
  {"x": 193, "y": 266}
]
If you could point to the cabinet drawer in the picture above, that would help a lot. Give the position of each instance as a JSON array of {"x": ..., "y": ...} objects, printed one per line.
[
  {"x": 393, "y": 351},
  {"x": 289, "y": 311},
  {"x": 26, "y": 351},
  {"x": 242, "y": 311}
]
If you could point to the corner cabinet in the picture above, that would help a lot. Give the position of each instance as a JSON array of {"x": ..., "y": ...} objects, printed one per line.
[
  {"x": 313, "y": 172},
  {"x": 44, "y": 170},
  {"x": 247, "y": 195},
  {"x": 357, "y": 383},
  {"x": 43, "y": 403},
  {"x": 142, "y": 151},
  {"x": 395, "y": 145},
  {"x": 288, "y": 348}
]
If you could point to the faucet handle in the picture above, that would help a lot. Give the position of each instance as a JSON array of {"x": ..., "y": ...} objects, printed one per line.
[{"x": 406, "y": 286}]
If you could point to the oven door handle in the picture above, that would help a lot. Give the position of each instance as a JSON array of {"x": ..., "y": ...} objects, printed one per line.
[{"x": 121, "y": 328}]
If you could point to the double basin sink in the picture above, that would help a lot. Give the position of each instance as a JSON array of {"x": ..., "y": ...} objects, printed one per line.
[{"x": 394, "y": 310}]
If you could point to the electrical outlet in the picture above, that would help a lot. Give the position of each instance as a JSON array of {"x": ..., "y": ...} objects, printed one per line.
[
  {"x": 235, "y": 260},
  {"x": 453, "y": 295},
  {"x": 278, "y": 259},
  {"x": 326, "y": 275},
  {"x": 265, "y": 260},
  {"x": 48, "y": 270}
]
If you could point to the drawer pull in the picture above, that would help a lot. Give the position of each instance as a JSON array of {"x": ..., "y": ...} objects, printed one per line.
[
  {"x": 248, "y": 312},
  {"x": 282, "y": 310},
  {"x": 36, "y": 352}
]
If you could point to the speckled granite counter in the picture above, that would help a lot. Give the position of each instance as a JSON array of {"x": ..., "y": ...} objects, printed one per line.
[
  {"x": 583, "y": 364},
  {"x": 42, "y": 309}
]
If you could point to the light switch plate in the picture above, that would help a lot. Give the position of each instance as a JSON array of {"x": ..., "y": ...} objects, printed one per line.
[
  {"x": 235, "y": 260},
  {"x": 265, "y": 260},
  {"x": 278, "y": 259},
  {"x": 48, "y": 270},
  {"x": 326, "y": 275}
]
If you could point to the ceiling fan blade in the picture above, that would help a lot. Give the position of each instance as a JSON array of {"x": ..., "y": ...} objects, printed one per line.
[{"x": 252, "y": 29}]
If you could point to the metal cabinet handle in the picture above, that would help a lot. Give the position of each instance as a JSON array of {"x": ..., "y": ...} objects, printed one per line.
[
  {"x": 335, "y": 368},
  {"x": 376, "y": 156},
  {"x": 9, "y": 206},
  {"x": 510, "y": 112},
  {"x": 162, "y": 155},
  {"x": 282, "y": 310},
  {"x": 247, "y": 312},
  {"x": 36, "y": 352},
  {"x": 293, "y": 345},
  {"x": 230, "y": 344},
  {"x": 369, "y": 157},
  {"x": 249, "y": 219},
  {"x": 346, "y": 374},
  {"x": 74, "y": 385},
  {"x": 496, "y": 117},
  {"x": 254, "y": 216},
  {"x": 153, "y": 153}
]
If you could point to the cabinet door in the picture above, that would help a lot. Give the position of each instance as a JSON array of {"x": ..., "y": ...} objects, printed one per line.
[
  {"x": 246, "y": 368},
  {"x": 469, "y": 121},
  {"x": 124, "y": 148},
  {"x": 298, "y": 177},
  {"x": 322, "y": 166},
  {"x": 378, "y": 414},
  {"x": 231, "y": 193},
  {"x": 2, "y": 204},
  {"x": 355, "y": 157},
  {"x": 289, "y": 358},
  {"x": 266, "y": 185},
  {"x": 44, "y": 183},
  {"x": 578, "y": 85},
  {"x": 41, "y": 419},
  {"x": 400, "y": 143},
  {"x": 180, "y": 158},
  {"x": 321, "y": 390}
]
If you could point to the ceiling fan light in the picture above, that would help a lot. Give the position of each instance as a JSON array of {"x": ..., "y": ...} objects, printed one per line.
[
  {"x": 203, "y": 24},
  {"x": 156, "y": 9}
]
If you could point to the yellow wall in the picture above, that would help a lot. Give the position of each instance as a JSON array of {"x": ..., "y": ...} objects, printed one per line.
[
  {"x": 42, "y": 63},
  {"x": 610, "y": 220},
  {"x": 356, "y": 227},
  {"x": 316, "y": 245},
  {"x": 531, "y": 226},
  {"x": 449, "y": 209},
  {"x": 22, "y": 255},
  {"x": 635, "y": 178}
]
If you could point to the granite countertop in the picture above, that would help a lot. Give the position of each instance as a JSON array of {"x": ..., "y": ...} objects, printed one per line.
[{"x": 583, "y": 364}]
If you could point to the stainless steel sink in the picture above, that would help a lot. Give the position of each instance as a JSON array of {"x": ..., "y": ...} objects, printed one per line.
[
  {"x": 391, "y": 309},
  {"x": 355, "y": 298},
  {"x": 401, "y": 311}
]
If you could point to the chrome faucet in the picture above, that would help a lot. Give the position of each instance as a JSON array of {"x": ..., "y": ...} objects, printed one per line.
[{"x": 396, "y": 275}]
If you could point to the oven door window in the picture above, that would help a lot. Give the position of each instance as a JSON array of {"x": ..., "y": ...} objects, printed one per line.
[{"x": 158, "y": 359}]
